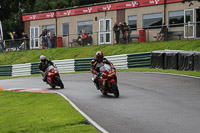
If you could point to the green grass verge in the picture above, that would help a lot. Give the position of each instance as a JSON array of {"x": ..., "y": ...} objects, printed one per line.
[
  {"x": 27, "y": 56},
  {"x": 38, "y": 112}
]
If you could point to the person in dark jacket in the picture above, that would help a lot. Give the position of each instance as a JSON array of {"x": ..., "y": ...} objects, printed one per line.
[
  {"x": 162, "y": 33},
  {"x": 26, "y": 40},
  {"x": 15, "y": 41},
  {"x": 96, "y": 63},
  {"x": 44, "y": 38},
  {"x": 116, "y": 29},
  {"x": 43, "y": 65},
  {"x": 124, "y": 32}
]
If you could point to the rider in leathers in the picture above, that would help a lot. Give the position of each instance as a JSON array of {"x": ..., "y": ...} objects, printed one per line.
[
  {"x": 43, "y": 65},
  {"x": 96, "y": 63}
]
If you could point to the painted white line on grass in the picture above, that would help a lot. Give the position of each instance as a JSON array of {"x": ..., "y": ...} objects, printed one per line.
[
  {"x": 33, "y": 89},
  {"x": 98, "y": 127}
]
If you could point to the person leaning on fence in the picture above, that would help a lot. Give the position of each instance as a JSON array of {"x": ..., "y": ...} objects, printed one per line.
[
  {"x": 116, "y": 29},
  {"x": 162, "y": 32}
]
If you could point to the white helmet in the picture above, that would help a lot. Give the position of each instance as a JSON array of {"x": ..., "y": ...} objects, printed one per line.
[{"x": 43, "y": 58}]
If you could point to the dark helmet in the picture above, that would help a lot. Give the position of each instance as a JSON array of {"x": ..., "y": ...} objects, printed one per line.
[
  {"x": 42, "y": 58},
  {"x": 99, "y": 56}
]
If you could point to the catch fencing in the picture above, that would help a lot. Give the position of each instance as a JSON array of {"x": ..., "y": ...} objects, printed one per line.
[{"x": 173, "y": 32}]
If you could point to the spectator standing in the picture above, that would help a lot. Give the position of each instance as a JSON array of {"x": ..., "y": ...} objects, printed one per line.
[
  {"x": 84, "y": 38},
  {"x": 162, "y": 33},
  {"x": 26, "y": 41},
  {"x": 49, "y": 39},
  {"x": 15, "y": 37},
  {"x": 2, "y": 45},
  {"x": 124, "y": 32},
  {"x": 44, "y": 38},
  {"x": 116, "y": 29}
]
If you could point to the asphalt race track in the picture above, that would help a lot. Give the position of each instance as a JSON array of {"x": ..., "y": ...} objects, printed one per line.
[{"x": 148, "y": 102}]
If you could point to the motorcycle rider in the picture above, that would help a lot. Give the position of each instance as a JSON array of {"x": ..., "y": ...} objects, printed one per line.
[
  {"x": 43, "y": 65},
  {"x": 96, "y": 63}
]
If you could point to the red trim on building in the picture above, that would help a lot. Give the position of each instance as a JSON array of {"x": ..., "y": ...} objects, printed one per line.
[
  {"x": 39, "y": 16},
  {"x": 98, "y": 8}
]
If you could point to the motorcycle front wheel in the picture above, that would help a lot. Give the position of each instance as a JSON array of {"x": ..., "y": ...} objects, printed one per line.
[
  {"x": 115, "y": 89},
  {"x": 59, "y": 82},
  {"x": 52, "y": 86}
]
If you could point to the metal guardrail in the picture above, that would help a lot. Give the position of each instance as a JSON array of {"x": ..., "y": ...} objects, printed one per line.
[
  {"x": 139, "y": 60},
  {"x": 65, "y": 66},
  {"x": 34, "y": 68},
  {"x": 119, "y": 61},
  {"x": 21, "y": 69},
  {"x": 83, "y": 64},
  {"x": 5, "y": 71}
]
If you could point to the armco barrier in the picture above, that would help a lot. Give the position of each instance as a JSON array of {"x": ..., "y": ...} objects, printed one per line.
[
  {"x": 83, "y": 64},
  {"x": 65, "y": 66},
  {"x": 34, "y": 68},
  {"x": 119, "y": 61},
  {"x": 75, "y": 65},
  {"x": 5, "y": 71},
  {"x": 21, "y": 69},
  {"x": 139, "y": 60}
]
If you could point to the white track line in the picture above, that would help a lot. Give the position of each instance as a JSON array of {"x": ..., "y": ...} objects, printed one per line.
[
  {"x": 98, "y": 127},
  {"x": 170, "y": 74}
]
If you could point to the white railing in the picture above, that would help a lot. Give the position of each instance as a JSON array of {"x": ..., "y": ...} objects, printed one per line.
[
  {"x": 21, "y": 70},
  {"x": 119, "y": 61},
  {"x": 65, "y": 66}
]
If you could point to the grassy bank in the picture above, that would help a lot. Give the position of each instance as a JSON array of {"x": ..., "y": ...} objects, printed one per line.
[
  {"x": 37, "y": 112},
  {"x": 27, "y": 56}
]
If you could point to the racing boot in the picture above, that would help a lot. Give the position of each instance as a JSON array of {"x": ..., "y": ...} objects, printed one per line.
[
  {"x": 95, "y": 81},
  {"x": 45, "y": 77}
]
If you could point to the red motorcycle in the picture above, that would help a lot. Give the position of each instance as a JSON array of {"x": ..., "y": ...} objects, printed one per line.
[
  {"x": 53, "y": 77},
  {"x": 108, "y": 80}
]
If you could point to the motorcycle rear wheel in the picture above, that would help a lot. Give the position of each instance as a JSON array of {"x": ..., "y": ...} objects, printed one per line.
[
  {"x": 59, "y": 82},
  {"x": 115, "y": 89}
]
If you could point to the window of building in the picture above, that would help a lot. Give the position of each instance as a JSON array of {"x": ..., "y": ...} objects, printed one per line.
[
  {"x": 132, "y": 21},
  {"x": 65, "y": 28},
  {"x": 51, "y": 28},
  {"x": 85, "y": 25},
  {"x": 176, "y": 18},
  {"x": 152, "y": 20}
]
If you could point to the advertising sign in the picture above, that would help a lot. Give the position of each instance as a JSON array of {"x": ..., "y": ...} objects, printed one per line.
[
  {"x": 39, "y": 16},
  {"x": 97, "y": 8}
]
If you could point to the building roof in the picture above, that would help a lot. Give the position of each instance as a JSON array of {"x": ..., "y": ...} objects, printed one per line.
[{"x": 93, "y": 8}]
